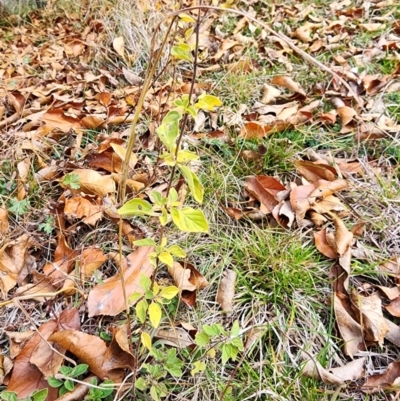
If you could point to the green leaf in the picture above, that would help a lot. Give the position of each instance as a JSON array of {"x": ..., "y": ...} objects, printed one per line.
[
  {"x": 186, "y": 18},
  {"x": 140, "y": 384},
  {"x": 164, "y": 217},
  {"x": 62, "y": 391},
  {"x": 235, "y": 331},
  {"x": 66, "y": 370},
  {"x": 8, "y": 396},
  {"x": 168, "y": 131},
  {"x": 213, "y": 330},
  {"x": 18, "y": 208},
  {"x": 141, "y": 310},
  {"x": 189, "y": 220},
  {"x": 69, "y": 385},
  {"x": 135, "y": 296},
  {"x": 149, "y": 294},
  {"x": 237, "y": 343},
  {"x": 53, "y": 382},
  {"x": 155, "y": 314},
  {"x": 107, "y": 388},
  {"x": 174, "y": 370},
  {"x": 195, "y": 186},
  {"x": 185, "y": 156},
  {"x": 169, "y": 292},
  {"x": 182, "y": 52},
  {"x": 208, "y": 102},
  {"x": 156, "y": 288},
  {"x": 156, "y": 197},
  {"x": 144, "y": 282},
  {"x": 176, "y": 251},
  {"x": 40, "y": 395},
  {"x": 192, "y": 111},
  {"x": 166, "y": 258},
  {"x": 226, "y": 350},
  {"x": 173, "y": 195},
  {"x": 199, "y": 366},
  {"x": 202, "y": 339},
  {"x": 136, "y": 207},
  {"x": 146, "y": 340},
  {"x": 79, "y": 370},
  {"x": 144, "y": 242},
  {"x": 154, "y": 393},
  {"x": 72, "y": 181}
]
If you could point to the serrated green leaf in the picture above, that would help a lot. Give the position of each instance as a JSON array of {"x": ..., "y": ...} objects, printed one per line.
[
  {"x": 144, "y": 242},
  {"x": 202, "y": 339},
  {"x": 155, "y": 314},
  {"x": 189, "y": 220},
  {"x": 141, "y": 310},
  {"x": 107, "y": 388},
  {"x": 196, "y": 189},
  {"x": 8, "y": 396},
  {"x": 166, "y": 257},
  {"x": 212, "y": 330},
  {"x": 169, "y": 292},
  {"x": 199, "y": 366},
  {"x": 182, "y": 52},
  {"x": 154, "y": 393},
  {"x": 208, "y": 102},
  {"x": 146, "y": 340},
  {"x": 176, "y": 251},
  {"x": 185, "y": 156},
  {"x": 168, "y": 131},
  {"x": 140, "y": 384},
  {"x": 71, "y": 180},
  {"x": 226, "y": 350},
  {"x": 235, "y": 331},
  {"x": 237, "y": 343},
  {"x": 136, "y": 207}
]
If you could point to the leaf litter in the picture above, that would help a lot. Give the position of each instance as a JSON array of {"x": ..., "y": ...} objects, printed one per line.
[{"x": 44, "y": 110}]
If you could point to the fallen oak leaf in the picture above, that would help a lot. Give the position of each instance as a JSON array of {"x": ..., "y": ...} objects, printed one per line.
[{"x": 226, "y": 290}]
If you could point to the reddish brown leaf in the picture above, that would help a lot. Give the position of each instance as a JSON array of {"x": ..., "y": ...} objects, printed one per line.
[
  {"x": 288, "y": 83},
  {"x": 107, "y": 298},
  {"x": 312, "y": 171},
  {"x": 264, "y": 189},
  {"x": 106, "y": 362},
  {"x": 86, "y": 209},
  {"x": 254, "y": 130},
  {"x": 4, "y": 225},
  {"x": 56, "y": 119},
  {"x": 322, "y": 245},
  {"x": 394, "y": 307}
]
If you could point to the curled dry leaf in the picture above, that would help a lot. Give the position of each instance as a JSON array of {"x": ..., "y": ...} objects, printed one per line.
[
  {"x": 394, "y": 307},
  {"x": 15, "y": 262},
  {"x": 269, "y": 94},
  {"x": 385, "y": 381},
  {"x": 188, "y": 279},
  {"x": 312, "y": 171},
  {"x": 288, "y": 83},
  {"x": 119, "y": 45},
  {"x": 93, "y": 183},
  {"x": 107, "y": 298},
  {"x": 351, "y": 371},
  {"x": 392, "y": 267},
  {"x": 106, "y": 362},
  {"x": 264, "y": 189},
  {"x": 374, "y": 324},
  {"x": 350, "y": 330},
  {"x": 41, "y": 284},
  {"x": 226, "y": 291},
  {"x": 79, "y": 207},
  {"x": 18, "y": 341},
  {"x": 283, "y": 214},
  {"x": 6, "y": 365}
]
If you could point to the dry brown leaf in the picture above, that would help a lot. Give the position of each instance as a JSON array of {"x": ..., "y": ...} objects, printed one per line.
[
  {"x": 106, "y": 362},
  {"x": 392, "y": 267},
  {"x": 264, "y": 189},
  {"x": 312, "y": 171},
  {"x": 64, "y": 259},
  {"x": 350, "y": 330},
  {"x": 327, "y": 188},
  {"x": 269, "y": 94},
  {"x": 15, "y": 262},
  {"x": 93, "y": 183},
  {"x": 86, "y": 209},
  {"x": 121, "y": 152},
  {"x": 175, "y": 337},
  {"x": 343, "y": 237},
  {"x": 188, "y": 279},
  {"x": 18, "y": 341},
  {"x": 374, "y": 324},
  {"x": 254, "y": 130},
  {"x": 6, "y": 365},
  {"x": 119, "y": 45},
  {"x": 107, "y": 298},
  {"x": 226, "y": 290},
  {"x": 23, "y": 171},
  {"x": 351, "y": 371},
  {"x": 56, "y": 119},
  {"x": 4, "y": 225},
  {"x": 323, "y": 246},
  {"x": 105, "y": 98},
  {"x": 283, "y": 214},
  {"x": 394, "y": 307},
  {"x": 131, "y": 77},
  {"x": 387, "y": 381},
  {"x": 288, "y": 83},
  {"x": 41, "y": 284},
  {"x": 299, "y": 199}
]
